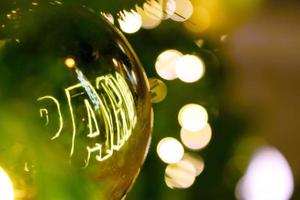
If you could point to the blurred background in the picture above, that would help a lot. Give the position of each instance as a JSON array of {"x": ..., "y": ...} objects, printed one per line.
[
  {"x": 224, "y": 77},
  {"x": 249, "y": 89}
]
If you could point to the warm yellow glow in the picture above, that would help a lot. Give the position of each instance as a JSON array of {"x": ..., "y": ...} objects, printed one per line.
[
  {"x": 196, "y": 161},
  {"x": 180, "y": 175},
  {"x": 170, "y": 8},
  {"x": 193, "y": 117},
  {"x": 170, "y": 150},
  {"x": 6, "y": 186},
  {"x": 189, "y": 68},
  {"x": 184, "y": 10},
  {"x": 165, "y": 64},
  {"x": 199, "y": 43},
  {"x": 158, "y": 90},
  {"x": 153, "y": 9},
  {"x": 151, "y": 14},
  {"x": 108, "y": 16},
  {"x": 196, "y": 140},
  {"x": 44, "y": 113},
  {"x": 70, "y": 62},
  {"x": 199, "y": 21},
  {"x": 130, "y": 22},
  {"x": 115, "y": 107},
  {"x": 223, "y": 38},
  {"x": 109, "y": 104}
]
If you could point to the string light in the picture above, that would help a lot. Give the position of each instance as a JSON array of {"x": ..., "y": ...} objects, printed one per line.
[
  {"x": 6, "y": 186},
  {"x": 151, "y": 14},
  {"x": 182, "y": 169},
  {"x": 184, "y": 10},
  {"x": 193, "y": 117},
  {"x": 170, "y": 8},
  {"x": 180, "y": 175},
  {"x": 170, "y": 150},
  {"x": 196, "y": 161},
  {"x": 166, "y": 62},
  {"x": 130, "y": 22},
  {"x": 196, "y": 140},
  {"x": 189, "y": 68}
]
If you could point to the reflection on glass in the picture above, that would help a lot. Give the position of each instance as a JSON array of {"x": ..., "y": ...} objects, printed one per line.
[
  {"x": 75, "y": 104},
  {"x": 158, "y": 90}
]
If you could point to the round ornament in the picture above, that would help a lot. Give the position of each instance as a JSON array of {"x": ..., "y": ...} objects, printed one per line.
[{"x": 75, "y": 109}]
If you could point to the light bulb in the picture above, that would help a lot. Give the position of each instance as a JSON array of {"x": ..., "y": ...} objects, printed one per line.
[
  {"x": 189, "y": 68},
  {"x": 193, "y": 117},
  {"x": 170, "y": 150},
  {"x": 180, "y": 175},
  {"x": 196, "y": 140},
  {"x": 166, "y": 62},
  {"x": 75, "y": 104},
  {"x": 130, "y": 22}
]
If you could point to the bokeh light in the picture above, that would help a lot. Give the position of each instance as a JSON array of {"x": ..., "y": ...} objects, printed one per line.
[
  {"x": 196, "y": 161},
  {"x": 70, "y": 62},
  {"x": 268, "y": 176},
  {"x": 196, "y": 140},
  {"x": 189, "y": 68},
  {"x": 151, "y": 14},
  {"x": 180, "y": 175},
  {"x": 199, "y": 43},
  {"x": 199, "y": 21},
  {"x": 170, "y": 8},
  {"x": 158, "y": 90},
  {"x": 6, "y": 186},
  {"x": 130, "y": 22},
  {"x": 165, "y": 64},
  {"x": 170, "y": 150},
  {"x": 223, "y": 38},
  {"x": 184, "y": 10},
  {"x": 193, "y": 117}
]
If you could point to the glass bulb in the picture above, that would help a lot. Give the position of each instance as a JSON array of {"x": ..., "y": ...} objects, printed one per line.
[{"x": 75, "y": 105}]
